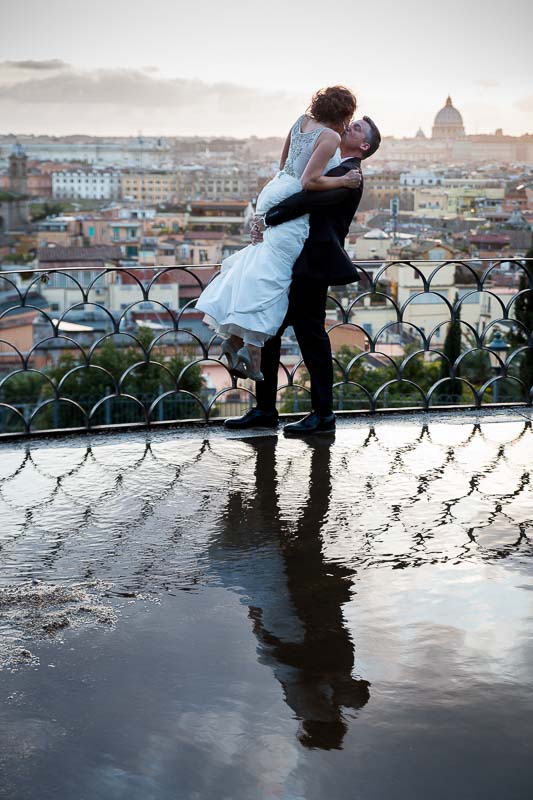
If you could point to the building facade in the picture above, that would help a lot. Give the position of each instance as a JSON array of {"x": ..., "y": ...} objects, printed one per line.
[
  {"x": 86, "y": 185},
  {"x": 149, "y": 187}
]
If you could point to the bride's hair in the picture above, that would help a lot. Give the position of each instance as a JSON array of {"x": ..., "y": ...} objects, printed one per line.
[{"x": 332, "y": 105}]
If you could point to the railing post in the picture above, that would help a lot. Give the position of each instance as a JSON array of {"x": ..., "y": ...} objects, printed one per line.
[{"x": 160, "y": 406}]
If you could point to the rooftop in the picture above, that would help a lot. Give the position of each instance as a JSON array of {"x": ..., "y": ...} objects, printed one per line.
[{"x": 98, "y": 252}]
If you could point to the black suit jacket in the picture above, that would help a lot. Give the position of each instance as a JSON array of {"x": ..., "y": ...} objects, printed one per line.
[{"x": 331, "y": 211}]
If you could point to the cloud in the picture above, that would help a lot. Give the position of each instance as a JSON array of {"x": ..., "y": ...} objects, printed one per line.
[
  {"x": 130, "y": 99},
  {"x": 487, "y": 84},
  {"x": 525, "y": 103},
  {"x": 47, "y": 65},
  {"x": 130, "y": 87}
]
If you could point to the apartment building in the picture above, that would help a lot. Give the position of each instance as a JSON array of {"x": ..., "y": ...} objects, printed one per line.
[
  {"x": 86, "y": 184},
  {"x": 228, "y": 216},
  {"x": 149, "y": 187},
  {"x": 218, "y": 183},
  {"x": 65, "y": 231}
]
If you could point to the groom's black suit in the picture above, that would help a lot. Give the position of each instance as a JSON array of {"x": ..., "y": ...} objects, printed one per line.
[{"x": 323, "y": 262}]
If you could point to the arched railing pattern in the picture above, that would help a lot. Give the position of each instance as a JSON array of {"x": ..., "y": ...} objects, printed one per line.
[{"x": 408, "y": 335}]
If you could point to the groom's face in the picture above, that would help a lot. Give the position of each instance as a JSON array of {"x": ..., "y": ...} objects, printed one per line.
[{"x": 355, "y": 136}]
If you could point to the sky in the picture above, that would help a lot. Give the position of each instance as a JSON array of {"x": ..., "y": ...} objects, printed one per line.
[{"x": 243, "y": 67}]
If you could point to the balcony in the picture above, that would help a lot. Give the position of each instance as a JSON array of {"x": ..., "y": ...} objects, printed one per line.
[
  {"x": 194, "y": 613},
  {"x": 149, "y": 364}
]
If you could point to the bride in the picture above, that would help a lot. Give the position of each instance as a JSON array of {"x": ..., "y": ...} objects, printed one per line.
[{"x": 247, "y": 302}]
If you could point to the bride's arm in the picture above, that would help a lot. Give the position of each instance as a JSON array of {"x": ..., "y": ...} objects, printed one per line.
[
  {"x": 285, "y": 151},
  {"x": 312, "y": 178}
]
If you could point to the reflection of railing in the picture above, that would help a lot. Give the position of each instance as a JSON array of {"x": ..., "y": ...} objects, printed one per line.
[
  {"x": 114, "y": 514},
  {"x": 160, "y": 379}
]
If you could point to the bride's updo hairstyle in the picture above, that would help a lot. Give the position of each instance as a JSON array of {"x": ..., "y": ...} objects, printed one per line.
[{"x": 333, "y": 106}]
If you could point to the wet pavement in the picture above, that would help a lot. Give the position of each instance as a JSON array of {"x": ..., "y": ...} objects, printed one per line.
[{"x": 197, "y": 614}]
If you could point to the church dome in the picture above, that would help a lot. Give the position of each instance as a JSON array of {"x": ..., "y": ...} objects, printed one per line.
[
  {"x": 448, "y": 115},
  {"x": 448, "y": 123}
]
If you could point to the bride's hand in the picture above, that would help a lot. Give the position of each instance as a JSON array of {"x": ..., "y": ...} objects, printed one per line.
[{"x": 352, "y": 179}]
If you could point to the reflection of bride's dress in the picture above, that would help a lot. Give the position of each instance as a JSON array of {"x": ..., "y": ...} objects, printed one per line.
[{"x": 251, "y": 295}]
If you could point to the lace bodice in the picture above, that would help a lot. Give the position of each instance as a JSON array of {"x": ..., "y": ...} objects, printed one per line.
[{"x": 301, "y": 148}]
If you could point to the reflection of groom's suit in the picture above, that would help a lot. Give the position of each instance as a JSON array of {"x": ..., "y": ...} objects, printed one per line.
[
  {"x": 295, "y": 597},
  {"x": 323, "y": 262}
]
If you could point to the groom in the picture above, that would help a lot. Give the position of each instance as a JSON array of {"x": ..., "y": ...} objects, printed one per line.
[{"x": 323, "y": 262}]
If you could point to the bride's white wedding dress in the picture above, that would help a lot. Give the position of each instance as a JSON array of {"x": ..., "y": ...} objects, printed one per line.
[{"x": 250, "y": 296}]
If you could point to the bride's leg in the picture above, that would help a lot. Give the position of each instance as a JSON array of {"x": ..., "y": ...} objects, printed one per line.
[
  {"x": 236, "y": 342},
  {"x": 255, "y": 353},
  {"x": 230, "y": 348},
  {"x": 250, "y": 355}
]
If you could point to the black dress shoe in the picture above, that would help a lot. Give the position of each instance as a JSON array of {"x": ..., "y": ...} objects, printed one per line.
[
  {"x": 255, "y": 418},
  {"x": 312, "y": 423}
]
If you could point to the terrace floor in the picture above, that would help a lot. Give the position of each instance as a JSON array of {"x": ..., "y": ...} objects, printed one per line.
[{"x": 195, "y": 614}]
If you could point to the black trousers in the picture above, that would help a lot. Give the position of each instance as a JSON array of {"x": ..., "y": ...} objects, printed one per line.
[{"x": 307, "y": 315}]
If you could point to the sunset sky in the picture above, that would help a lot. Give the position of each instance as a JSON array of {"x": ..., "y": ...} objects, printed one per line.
[{"x": 238, "y": 68}]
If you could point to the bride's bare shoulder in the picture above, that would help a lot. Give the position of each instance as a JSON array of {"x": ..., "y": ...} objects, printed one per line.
[
  {"x": 307, "y": 123},
  {"x": 330, "y": 135}
]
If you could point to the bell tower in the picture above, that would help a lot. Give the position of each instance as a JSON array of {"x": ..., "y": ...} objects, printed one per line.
[
  {"x": 18, "y": 171},
  {"x": 16, "y": 208}
]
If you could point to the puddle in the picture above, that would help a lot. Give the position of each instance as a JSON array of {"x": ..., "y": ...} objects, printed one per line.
[{"x": 238, "y": 617}]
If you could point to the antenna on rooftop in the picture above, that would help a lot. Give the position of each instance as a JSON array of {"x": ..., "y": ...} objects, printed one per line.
[
  {"x": 140, "y": 141},
  {"x": 394, "y": 210}
]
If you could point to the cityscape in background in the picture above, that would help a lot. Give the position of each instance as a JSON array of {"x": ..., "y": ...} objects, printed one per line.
[{"x": 98, "y": 203}]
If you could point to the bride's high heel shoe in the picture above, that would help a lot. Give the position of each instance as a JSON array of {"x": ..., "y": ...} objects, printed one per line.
[
  {"x": 232, "y": 358},
  {"x": 245, "y": 358}
]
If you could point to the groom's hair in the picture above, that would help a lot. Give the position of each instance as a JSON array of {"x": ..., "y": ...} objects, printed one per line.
[{"x": 373, "y": 138}]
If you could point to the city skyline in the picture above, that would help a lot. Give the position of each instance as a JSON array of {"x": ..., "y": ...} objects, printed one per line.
[{"x": 239, "y": 70}]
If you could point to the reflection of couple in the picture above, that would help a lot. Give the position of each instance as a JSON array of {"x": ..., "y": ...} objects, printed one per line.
[
  {"x": 282, "y": 278},
  {"x": 294, "y": 596}
]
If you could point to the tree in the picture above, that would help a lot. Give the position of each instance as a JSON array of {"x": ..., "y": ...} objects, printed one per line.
[
  {"x": 87, "y": 386},
  {"x": 524, "y": 314},
  {"x": 43, "y": 210},
  {"x": 475, "y": 367},
  {"x": 349, "y": 397},
  {"x": 452, "y": 349}
]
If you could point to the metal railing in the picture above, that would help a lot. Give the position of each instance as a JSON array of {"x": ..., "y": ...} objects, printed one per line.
[{"x": 150, "y": 371}]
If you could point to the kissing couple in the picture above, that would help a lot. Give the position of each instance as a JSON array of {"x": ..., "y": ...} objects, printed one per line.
[{"x": 297, "y": 250}]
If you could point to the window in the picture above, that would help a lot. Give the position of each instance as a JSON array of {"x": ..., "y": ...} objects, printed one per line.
[
  {"x": 58, "y": 280},
  {"x": 474, "y": 299},
  {"x": 426, "y": 298}
]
